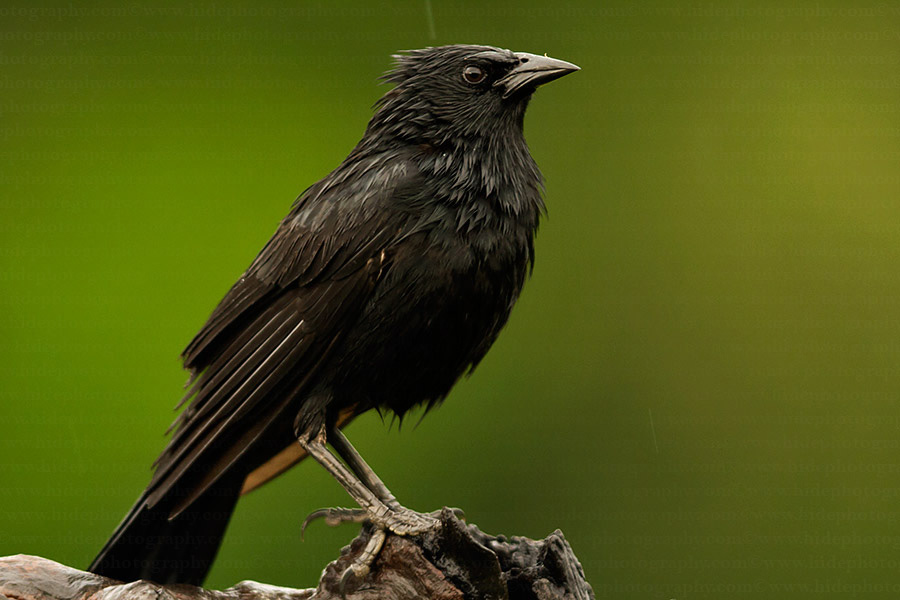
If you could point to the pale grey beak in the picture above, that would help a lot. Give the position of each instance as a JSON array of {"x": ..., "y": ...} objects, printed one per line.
[{"x": 532, "y": 71}]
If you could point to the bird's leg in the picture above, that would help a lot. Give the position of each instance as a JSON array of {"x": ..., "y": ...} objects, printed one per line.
[
  {"x": 367, "y": 475},
  {"x": 359, "y": 467},
  {"x": 378, "y": 507}
]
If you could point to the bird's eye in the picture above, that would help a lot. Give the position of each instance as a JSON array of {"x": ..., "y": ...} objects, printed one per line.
[{"x": 473, "y": 74}]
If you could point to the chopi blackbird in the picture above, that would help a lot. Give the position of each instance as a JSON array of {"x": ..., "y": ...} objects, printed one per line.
[{"x": 387, "y": 280}]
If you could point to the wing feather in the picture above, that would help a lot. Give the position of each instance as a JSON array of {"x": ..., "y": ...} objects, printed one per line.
[{"x": 275, "y": 327}]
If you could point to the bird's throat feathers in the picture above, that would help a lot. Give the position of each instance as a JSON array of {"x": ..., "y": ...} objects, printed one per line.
[{"x": 481, "y": 153}]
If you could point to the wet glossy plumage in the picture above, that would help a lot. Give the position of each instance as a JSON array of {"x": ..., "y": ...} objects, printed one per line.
[{"x": 387, "y": 280}]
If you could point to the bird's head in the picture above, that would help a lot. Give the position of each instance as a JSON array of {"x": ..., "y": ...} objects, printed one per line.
[{"x": 461, "y": 91}]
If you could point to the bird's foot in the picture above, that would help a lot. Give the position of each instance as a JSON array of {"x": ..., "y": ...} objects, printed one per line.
[
  {"x": 392, "y": 517},
  {"x": 400, "y": 520},
  {"x": 395, "y": 518},
  {"x": 335, "y": 516},
  {"x": 362, "y": 564}
]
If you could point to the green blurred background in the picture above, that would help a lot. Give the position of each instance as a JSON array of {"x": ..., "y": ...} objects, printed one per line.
[{"x": 699, "y": 385}]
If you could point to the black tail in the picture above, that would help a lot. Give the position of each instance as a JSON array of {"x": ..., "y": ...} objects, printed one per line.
[{"x": 148, "y": 545}]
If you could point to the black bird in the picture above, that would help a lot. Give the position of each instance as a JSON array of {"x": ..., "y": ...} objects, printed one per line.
[{"x": 386, "y": 281}]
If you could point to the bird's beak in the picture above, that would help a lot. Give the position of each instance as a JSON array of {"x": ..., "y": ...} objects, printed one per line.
[{"x": 532, "y": 71}]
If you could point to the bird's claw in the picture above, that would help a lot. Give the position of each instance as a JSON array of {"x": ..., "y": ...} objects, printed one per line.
[
  {"x": 457, "y": 512},
  {"x": 356, "y": 572},
  {"x": 334, "y": 516},
  {"x": 397, "y": 519},
  {"x": 362, "y": 564}
]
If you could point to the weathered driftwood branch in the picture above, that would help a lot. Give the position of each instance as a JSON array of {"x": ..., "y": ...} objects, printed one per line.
[{"x": 456, "y": 562}]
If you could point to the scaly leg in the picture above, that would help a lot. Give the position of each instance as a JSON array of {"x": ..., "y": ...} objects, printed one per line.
[
  {"x": 367, "y": 475},
  {"x": 377, "y": 503},
  {"x": 359, "y": 467}
]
